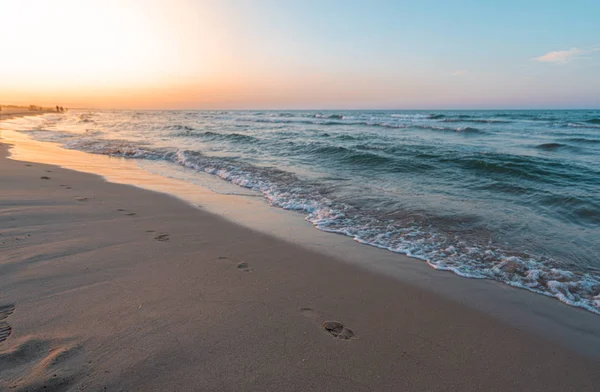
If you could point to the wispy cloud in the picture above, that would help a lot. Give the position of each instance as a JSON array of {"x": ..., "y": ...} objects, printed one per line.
[
  {"x": 560, "y": 56},
  {"x": 459, "y": 73},
  {"x": 564, "y": 56}
]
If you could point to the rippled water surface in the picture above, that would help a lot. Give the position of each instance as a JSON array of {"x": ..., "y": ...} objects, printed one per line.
[{"x": 507, "y": 195}]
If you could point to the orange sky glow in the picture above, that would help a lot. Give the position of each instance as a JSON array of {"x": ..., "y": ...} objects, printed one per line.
[{"x": 209, "y": 54}]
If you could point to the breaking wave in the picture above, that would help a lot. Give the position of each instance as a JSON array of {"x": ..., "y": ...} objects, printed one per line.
[{"x": 475, "y": 204}]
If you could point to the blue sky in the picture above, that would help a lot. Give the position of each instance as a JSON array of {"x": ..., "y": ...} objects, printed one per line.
[
  {"x": 303, "y": 54},
  {"x": 465, "y": 53}
]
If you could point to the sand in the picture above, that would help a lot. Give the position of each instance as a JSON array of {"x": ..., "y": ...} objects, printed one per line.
[
  {"x": 18, "y": 111},
  {"x": 110, "y": 287}
]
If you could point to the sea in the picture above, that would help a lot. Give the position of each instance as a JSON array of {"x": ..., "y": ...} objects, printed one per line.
[{"x": 512, "y": 196}]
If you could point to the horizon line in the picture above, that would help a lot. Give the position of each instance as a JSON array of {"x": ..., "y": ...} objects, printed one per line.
[{"x": 335, "y": 109}]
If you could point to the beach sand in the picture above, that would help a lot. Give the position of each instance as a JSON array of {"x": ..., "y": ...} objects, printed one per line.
[
  {"x": 19, "y": 111},
  {"x": 110, "y": 287}
]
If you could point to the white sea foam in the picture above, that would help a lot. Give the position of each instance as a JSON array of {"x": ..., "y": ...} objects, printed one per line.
[{"x": 285, "y": 190}]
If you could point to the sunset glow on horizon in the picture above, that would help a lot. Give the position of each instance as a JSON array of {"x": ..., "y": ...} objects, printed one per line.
[{"x": 186, "y": 54}]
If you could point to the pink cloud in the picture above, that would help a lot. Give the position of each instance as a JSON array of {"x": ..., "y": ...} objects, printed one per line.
[{"x": 559, "y": 57}]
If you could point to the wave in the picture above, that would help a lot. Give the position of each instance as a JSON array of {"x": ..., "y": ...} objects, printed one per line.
[
  {"x": 480, "y": 121},
  {"x": 276, "y": 120},
  {"x": 417, "y": 236},
  {"x": 527, "y": 116},
  {"x": 594, "y": 121},
  {"x": 237, "y": 137},
  {"x": 85, "y": 118},
  {"x": 346, "y": 137},
  {"x": 346, "y": 116},
  {"x": 494, "y": 166},
  {"x": 350, "y": 156},
  {"x": 441, "y": 116},
  {"x": 551, "y": 146},
  {"x": 469, "y": 130},
  {"x": 464, "y": 130},
  {"x": 583, "y": 140},
  {"x": 233, "y": 137},
  {"x": 178, "y": 127},
  {"x": 333, "y": 122},
  {"x": 342, "y": 137},
  {"x": 539, "y": 170},
  {"x": 506, "y": 167},
  {"x": 411, "y": 116},
  {"x": 120, "y": 148},
  {"x": 580, "y": 208},
  {"x": 557, "y": 146},
  {"x": 330, "y": 121},
  {"x": 577, "y": 125},
  {"x": 333, "y": 116}
]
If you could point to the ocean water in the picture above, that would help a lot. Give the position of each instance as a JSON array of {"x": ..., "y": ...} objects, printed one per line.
[{"x": 512, "y": 196}]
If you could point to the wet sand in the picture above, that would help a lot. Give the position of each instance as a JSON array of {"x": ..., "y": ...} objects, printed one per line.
[{"x": 105, "y": 285}]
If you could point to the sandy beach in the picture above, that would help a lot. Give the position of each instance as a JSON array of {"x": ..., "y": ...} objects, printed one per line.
[
  {"x": 18, "y": 111},
  {"x": 110, "y": 287},
  {"x": 299, "y": 196}
]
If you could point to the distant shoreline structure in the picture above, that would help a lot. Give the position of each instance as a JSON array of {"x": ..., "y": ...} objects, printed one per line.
[{"x": 32, "y": 108}]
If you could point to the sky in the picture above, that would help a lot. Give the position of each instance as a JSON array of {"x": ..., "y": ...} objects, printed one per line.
[{"x": 301, "y": 54}]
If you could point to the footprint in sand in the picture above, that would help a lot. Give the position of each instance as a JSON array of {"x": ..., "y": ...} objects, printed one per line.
[
  {"x": 334, "y": 328},
  {"x": 48, "y": 171},
  {"x": 243, "y": 266},
  {"x": 44, "y": 178},
  {"x": 310, "y": 313},
  {"x": 27, "y": 164},
  {"x": 337, "y": 329},
  {"x": 83, "y": 199},
  {"x": 162, "y": 238},
  {"x": 47, "y": 365},
  {"x": 128, "y": 214},
  {"x": 5, "y": 329}
]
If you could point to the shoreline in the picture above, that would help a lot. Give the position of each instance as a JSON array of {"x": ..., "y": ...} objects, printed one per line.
[
  {"x": 120, "y": 269},
  {"x": 12, "y": 111},
  {"x": 472, "y": 243},
  {"x": 543, "y": 315}
]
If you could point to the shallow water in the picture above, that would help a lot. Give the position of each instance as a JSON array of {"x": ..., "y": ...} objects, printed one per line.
[{"x": 507, "y": 195}]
